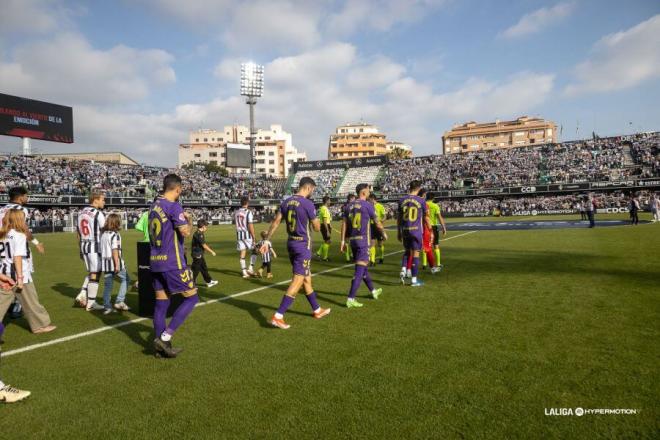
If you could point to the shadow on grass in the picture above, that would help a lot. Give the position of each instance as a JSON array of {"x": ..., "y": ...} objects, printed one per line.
[{"x": 133, "y": 331}]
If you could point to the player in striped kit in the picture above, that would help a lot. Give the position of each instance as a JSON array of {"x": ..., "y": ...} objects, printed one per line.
[
  {"x": 244, "y": 222},
  {"x": 90, "y": 224},
  {"x": 113, "y": 265}
]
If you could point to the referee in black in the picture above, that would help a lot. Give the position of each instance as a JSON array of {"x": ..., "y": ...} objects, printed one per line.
[{"x": 198, "y": 247}]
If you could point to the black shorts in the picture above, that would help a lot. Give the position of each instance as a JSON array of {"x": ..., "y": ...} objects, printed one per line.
[
  {"x": 376, "y": 234},
  {"x": 325, "y": 232},
  {"x": 436, "y": 235}
]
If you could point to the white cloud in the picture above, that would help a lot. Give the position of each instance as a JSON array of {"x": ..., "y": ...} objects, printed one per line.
[
  {"x": 380, "y": 15},
  {"x": 67, "y": 68},
  {"x": 620, "y": 60},
  {"x": 249, "y": 25},
  {"x": 539, "y": 20},
  {"x": 32, "y": 16},
  {"x": 272, "y": 23},
  {"x": 380, "y": 72}
]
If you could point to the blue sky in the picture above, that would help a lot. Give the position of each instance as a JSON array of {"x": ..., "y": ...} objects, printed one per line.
[{"x": 140, "y": 74}]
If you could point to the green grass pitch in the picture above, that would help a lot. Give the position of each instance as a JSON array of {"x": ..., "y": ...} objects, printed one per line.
[{"x": 517, "y": 323}]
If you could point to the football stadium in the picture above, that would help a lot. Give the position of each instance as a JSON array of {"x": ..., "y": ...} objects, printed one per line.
[{"x": 495, "y": 279}]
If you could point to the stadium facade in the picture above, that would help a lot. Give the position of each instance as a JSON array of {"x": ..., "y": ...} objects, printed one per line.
[
  {"x": 274, "y": 150},
  {"x": 522, "y": 132}
]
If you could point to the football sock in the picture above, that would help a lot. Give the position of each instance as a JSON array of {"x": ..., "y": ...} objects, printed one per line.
[
  {"x": 2, "y": 328},
  {"x": 357, "y": 279},
  {"x": 430, "y": 258},
  {"x": 367, "y": 280},
  {"x": 436, "y": 251},
  {"x": 382, "y": 251},
  {"x": 319, "y": 253},
  {"x": 348, "y": 253},
  {"x": 160, "y": 314},
  {"x": 92, "y": 290},
  {"x": 84, "y": 284},
  {"x": 284, "y": 306},
  {"x": 415, "y": 267},
  {"x": 326, "y": 250},
  {"x": 372, "y": 254},
  {"x": 311, "y": 297},
  {"x": 404, "y": 262},
  {"x": 242, "y": 260},
  {"x": 424, "y": 262},
  {"x": 181, "y": 313},
  {"x": 253, "y": 259}
]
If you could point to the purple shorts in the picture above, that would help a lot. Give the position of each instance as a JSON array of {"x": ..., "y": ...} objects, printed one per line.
[
  {"x": 412, "y": 242},
  {"x": 360, "y": 252},
  {"x": 173, "y": 281},
  {"x": 300, "y": 257}
]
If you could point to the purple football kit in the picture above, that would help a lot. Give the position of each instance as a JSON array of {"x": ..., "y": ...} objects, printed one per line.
[
  {"x": 358, "y": 216},
  {"x": 169, "y": 268},
  {"x": 298, "y": 212},
  {"x": 412, "y": 210}
]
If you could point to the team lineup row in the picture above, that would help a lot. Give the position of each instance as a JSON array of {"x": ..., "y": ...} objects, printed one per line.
[{"x": 167, "y": 225}]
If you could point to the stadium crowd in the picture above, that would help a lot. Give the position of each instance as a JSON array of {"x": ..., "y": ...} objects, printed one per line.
[
  {"x": 606, "y": 159},
  {"x": 77, "y": 178},
  {"x": 609, "y": 159}
]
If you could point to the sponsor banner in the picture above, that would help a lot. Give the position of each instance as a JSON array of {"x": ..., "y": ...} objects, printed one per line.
[
  {"x": 568, "y": 187},
  {"x": 331, "y": 164},
  {"x": 489, "y": 191},
  {"x": 544, "y": 212},
  {"x": 620, "y": 210},
  {"x": 648, "y": 182},
  {"x": 531, "y": 189},
  {"x": 619, "y": 184},
  {"x": 136, "y": 201}
]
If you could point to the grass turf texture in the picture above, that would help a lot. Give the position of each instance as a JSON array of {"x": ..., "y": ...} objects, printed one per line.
[{"x": 519, "y": 321}]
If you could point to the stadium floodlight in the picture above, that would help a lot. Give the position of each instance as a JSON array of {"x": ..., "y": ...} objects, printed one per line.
[{"x": 252, "y": 86}]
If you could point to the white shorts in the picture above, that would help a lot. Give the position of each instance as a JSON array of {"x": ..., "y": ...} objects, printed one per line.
[
  {"x": 93, "y": 263},
  {"x": 245, "y": 244}
]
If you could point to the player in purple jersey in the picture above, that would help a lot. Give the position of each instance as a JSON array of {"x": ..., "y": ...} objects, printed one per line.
[
  {"x": 349, "y": 199},
  {"x": 168, "y": 227},
  {"x": 411, "y": 220},
  {"x": 356, "y": 226},
  {"x": 298, "y": 213}
]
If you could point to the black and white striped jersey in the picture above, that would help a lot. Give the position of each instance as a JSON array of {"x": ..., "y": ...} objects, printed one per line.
[
  {"x": 111, "y": 240},
  {"x": 15, "y": 245},
  {"x": 267, "y": 256},
  {"x": 27, "y": 213},
  {"x": 242, "y": 218},
  {"x": 90, "y": 224},
  {"x": 9, "y": 206}
]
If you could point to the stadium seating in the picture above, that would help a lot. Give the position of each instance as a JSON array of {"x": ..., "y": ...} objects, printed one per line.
[{"x": 355, "y": 176}]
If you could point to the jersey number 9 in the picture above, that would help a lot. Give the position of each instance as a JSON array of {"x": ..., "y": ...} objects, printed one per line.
[{"x": 155, "y": 229}]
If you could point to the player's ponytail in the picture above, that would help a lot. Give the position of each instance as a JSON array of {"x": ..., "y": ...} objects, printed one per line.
[{"x": 14, "y": 219}]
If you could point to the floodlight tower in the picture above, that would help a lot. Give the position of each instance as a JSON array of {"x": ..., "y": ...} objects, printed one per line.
[{"x": 252, "y": 87}]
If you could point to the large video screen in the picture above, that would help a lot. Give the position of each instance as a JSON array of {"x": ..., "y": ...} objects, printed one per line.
[
  {"x": 24, "y": 117},
  {"x": 238, "y": 156}
]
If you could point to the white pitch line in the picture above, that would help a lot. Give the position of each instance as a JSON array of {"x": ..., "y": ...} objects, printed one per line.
[{"x": 224, "y": 298}]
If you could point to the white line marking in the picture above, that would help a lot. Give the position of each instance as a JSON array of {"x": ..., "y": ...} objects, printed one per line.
[{"x": 201, "y": 304}]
